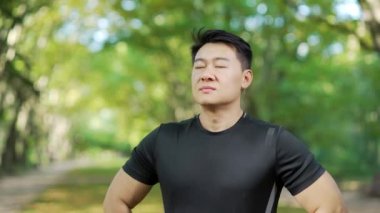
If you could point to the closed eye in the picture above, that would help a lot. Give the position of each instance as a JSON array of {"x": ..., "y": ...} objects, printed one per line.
[{"x": 199, "y": 67}]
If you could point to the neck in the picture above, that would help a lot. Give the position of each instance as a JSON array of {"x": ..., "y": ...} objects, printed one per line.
[{"x": 218, "y": 119}]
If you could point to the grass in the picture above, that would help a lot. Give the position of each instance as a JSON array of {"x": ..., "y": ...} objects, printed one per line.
[{"x": 83, "y": 190}]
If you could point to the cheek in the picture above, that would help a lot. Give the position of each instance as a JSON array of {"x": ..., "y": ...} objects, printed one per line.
[
  {"x": 194, "y": 77},
  {"x": 233, "y": 78}
]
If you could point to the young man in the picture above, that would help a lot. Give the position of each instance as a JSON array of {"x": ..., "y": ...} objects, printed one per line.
[{"x": 222, "y": 160}]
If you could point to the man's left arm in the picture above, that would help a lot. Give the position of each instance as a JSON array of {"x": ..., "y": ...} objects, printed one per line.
[{"x": 322, "y": 196}]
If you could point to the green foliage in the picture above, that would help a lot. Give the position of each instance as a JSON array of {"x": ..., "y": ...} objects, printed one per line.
[{"x": 100, "y": 141}]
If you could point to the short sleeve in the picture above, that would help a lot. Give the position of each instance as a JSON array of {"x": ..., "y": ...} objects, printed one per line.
[
  {"x": 141, "y": 164},
  {"x": 296, "y": 165}
]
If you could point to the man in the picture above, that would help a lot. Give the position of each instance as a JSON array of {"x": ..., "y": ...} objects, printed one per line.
[{"x": 222, "y": 160}]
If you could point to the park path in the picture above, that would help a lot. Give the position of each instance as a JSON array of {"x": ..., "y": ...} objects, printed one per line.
[
  {"x": 355, "y": 201},
  {"x": 17, "y": 191}
]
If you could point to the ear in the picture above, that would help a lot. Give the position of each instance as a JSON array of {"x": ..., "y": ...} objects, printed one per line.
[{"x": 247, "y": 78}]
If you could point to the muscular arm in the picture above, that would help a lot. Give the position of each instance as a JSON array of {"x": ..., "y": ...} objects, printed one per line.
[
  {"x": 323, "y": 196},
  {"x": 124, "y": 193}
]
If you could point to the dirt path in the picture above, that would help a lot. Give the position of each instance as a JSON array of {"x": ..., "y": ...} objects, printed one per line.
[
  {"x": 356, "y": 202},
  {"x": 361, "y": 204},
  {"x": 17, "y": 191}
]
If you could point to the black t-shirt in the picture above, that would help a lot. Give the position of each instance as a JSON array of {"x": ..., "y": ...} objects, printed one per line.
[{"x": 241, "y": 169}]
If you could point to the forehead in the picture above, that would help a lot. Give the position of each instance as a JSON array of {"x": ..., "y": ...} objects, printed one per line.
[{"x": 212, "y": 51}]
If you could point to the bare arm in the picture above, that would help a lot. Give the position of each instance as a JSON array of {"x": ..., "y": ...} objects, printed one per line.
[
  {"x": 323, "y": 196},
  {"x": 124, "y": 193}
]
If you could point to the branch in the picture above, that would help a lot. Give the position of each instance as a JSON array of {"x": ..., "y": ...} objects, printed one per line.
[
  {"x": 337, "y": 27},
  {"x": 25, "y": 60},
  {"x": 368, "y": 9},
  {"x": 20, "y": 83},
  {"x": 344, "y": 29}
]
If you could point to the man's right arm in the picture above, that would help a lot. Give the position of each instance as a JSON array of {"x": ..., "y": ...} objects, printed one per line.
[{"x": 124, "y": 193}]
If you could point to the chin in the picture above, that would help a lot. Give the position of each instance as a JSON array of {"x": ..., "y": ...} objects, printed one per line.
[
  {"x": 212, "y": 103},
  {"x": 208, "y": 103},
  {"x": 204, "y": 101}
]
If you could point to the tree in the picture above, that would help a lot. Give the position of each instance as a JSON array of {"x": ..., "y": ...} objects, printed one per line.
[{"x": 17, "y": 89}]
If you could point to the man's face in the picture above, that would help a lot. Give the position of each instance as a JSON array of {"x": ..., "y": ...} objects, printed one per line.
[{"x": 217, "y": 75}]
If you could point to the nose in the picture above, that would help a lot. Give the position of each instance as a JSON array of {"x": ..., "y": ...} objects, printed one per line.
[{"x": 208, "y": 75}]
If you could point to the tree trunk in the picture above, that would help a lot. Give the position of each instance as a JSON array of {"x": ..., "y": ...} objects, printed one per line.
[
  {"x": 27, "y": 137},
  {"x": 374, "y": 189},
  {"x": 9, "y": 155}
]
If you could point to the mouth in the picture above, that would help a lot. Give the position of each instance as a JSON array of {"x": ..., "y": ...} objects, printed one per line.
[{"x": 207, "y": 89}]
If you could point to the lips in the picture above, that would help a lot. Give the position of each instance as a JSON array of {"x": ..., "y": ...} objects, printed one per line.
[{"x": 207, "y": 89}]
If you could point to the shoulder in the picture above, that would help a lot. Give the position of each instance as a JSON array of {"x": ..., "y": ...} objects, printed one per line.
[
  {"x": 263, "y": 125},
  {"x": 279, "y": 136}
]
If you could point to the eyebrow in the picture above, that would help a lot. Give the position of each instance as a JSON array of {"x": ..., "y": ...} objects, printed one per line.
[{"x": 214, "y": 59}]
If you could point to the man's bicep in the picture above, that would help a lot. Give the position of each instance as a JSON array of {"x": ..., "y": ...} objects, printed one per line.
[
  {"x": 127, "y": 189},
  {"x": 322, "y": 196}
]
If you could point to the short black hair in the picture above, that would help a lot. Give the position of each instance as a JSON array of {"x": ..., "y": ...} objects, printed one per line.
[{"x": 243, "y": 49}]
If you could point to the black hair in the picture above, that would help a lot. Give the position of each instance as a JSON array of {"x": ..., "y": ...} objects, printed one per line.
[{"x": 243, "y": 49}]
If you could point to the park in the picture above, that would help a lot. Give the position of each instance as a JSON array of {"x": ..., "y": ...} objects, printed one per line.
[{"x": 82, "y": 82}]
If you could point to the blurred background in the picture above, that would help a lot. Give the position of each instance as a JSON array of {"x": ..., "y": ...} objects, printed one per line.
[{"x": 93, "y": 77}]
